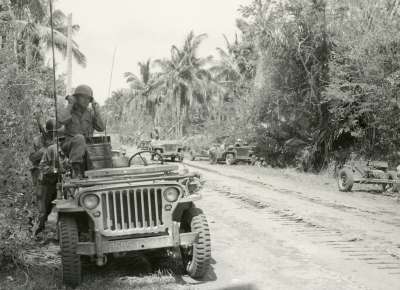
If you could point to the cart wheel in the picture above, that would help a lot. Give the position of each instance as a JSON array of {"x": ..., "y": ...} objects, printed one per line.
[
  {"x": 345, "y": 180},
  {"x": 394, "y": 187}
]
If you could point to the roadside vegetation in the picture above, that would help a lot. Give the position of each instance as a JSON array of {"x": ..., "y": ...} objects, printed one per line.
[
  {"x": 25, "y": 92},
  {"x": 308, "y": 81}
]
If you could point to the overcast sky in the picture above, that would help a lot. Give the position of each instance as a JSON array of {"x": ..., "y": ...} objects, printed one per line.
[{"x": 141, "y": 29}]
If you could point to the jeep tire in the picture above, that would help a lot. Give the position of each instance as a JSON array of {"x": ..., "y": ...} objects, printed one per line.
[
  {"x": 345, "y": 179},
  {"x": 229, "y": 159},
  {"x": 196, "y": 259},
  {"x": 213, "y": 158},
  {"x": 70, "y": 260},
  {"x": 393, "y": 187}
]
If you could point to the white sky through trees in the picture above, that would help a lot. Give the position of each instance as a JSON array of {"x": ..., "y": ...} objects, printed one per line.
[{"x": 141, "y": 29}]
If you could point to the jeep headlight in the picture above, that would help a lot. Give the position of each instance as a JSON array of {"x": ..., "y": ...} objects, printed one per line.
[
  {"x": 195, "y": 184},
  {"x": 171, "y": 194},
  {"x": 90, "y": 201}
]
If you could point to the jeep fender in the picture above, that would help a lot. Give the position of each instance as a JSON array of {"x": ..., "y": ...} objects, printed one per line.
[
  {"x": 183, "y": 205},
  {"x": 67, "y": 206}
]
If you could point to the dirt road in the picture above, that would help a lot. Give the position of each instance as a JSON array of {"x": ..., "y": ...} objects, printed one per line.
[
  {"x": 275, "y": 232},
  {"x": 271, "y": 229}
]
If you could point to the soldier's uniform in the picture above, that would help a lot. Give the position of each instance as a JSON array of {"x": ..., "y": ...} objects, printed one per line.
[
  {"x": 48, "y": 181},
  {"x": 40, "y": 145},
  {"x": 79, "y": 123}
]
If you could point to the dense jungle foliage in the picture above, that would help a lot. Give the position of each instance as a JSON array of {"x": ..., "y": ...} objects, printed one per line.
[
  {"x": 308, "y": 81},
  {"x": 26, "y": 94}
]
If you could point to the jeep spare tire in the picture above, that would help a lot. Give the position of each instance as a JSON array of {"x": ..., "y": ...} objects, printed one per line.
[
  {"x": 196, "y": 258},
  {"x": 345, "y": 180},
  {"x": 70, "y": 260}
]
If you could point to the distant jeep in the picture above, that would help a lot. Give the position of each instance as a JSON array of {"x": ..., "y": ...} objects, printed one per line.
[
  {"x": 199, "y": 152},
  {"x": 144, "y": 145},
  {"x": 169, "y": 149},
  {"x": 233, "y": 154},
  {"x": 113, "y": 211}
]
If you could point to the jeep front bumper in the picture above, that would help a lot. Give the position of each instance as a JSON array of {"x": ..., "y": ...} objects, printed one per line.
[
  {"x": 169, "y": 155},
  {"x": 105, "y": 246}
]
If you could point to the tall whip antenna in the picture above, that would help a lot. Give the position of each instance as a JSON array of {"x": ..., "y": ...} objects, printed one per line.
[
  {"x": 110, "y": 83},
  {"x": 111, "y": 73},
  {"x": 55, "y": 159}
]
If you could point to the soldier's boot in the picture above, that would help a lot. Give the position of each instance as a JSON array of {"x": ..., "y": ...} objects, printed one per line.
[{"x": 77, "y": 170}]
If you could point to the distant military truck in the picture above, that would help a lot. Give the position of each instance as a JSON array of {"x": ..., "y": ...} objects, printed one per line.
[
  {"x": 233, "y": 154},
  {"x": 168, "y": 149}
]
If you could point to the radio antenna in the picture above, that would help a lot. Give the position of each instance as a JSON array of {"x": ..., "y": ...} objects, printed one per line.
[
  {"x": 56, "y": 162},
  {"x": 109, "y": 84}
]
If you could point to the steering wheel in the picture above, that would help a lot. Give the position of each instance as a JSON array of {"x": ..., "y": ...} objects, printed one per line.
[{"x": 145, "y": 163}]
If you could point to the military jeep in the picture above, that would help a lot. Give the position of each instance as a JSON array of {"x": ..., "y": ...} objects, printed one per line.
[
  {"x": 233, "y": 154},
  {"x": 199, "y": 152},
  {"x": 169, "y": 149},
  {"x": 113, "y": 211}
]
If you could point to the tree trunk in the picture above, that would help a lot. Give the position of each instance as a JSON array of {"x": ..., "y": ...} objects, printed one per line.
[{"x": 27, "y": 54}]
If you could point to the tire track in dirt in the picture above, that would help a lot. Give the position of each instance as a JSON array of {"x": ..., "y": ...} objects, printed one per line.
[
  {"x": 381, "y": 258},
  {"x": 300, "y": 195}
]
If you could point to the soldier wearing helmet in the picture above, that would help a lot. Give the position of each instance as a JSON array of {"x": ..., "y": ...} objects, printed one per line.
[
  {"x": 40, "y": 144},
  {"x": 79, "y": 122},
  {"x": 48, "y": 176}
]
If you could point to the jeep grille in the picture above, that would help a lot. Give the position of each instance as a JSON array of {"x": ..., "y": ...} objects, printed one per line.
[{"x": 132, "y": 208}]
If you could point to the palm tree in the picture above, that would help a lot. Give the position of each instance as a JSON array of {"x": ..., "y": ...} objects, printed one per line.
[
  {"x": 186, "y": 79},
  {"x": 143, "y": 88},
  {"x": 227, "y": 73},
  {"x": 226, "y": 70},
  {"x": 31, "y": 23}
]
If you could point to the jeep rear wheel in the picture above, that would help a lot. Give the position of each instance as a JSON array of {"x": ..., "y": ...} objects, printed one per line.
[
  {"x": 213, "y": 158},
  {"x": 70, "y": 260},
  {"x": 196, "y": 258},
  {"x": 391, "y": 187},
  {"x": 253, "y": 160},
  {"x": 229, "y": 159}
]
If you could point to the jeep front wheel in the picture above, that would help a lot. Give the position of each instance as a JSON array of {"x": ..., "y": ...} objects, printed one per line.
[
  {"x": 345, "y": 179},
  {"x": 229, "y": 159},
  {"x": 196, "y": 258},
  {"x": 70, "y": 260}
]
